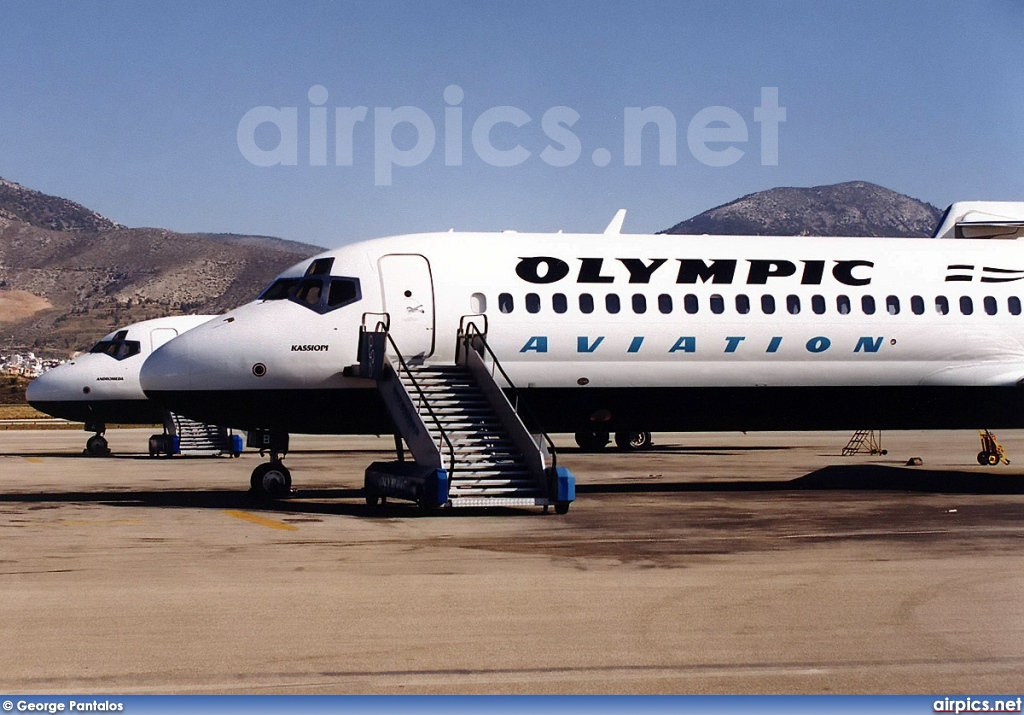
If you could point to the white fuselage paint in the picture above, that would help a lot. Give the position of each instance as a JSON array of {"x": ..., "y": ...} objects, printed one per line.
[{"x": 703, "y": 341}]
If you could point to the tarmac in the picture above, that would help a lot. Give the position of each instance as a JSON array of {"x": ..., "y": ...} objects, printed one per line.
[{"x": 714, "y": 563}]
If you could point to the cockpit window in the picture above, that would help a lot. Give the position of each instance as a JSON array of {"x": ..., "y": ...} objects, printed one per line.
[
  {"x": 119, "y": 347},
  {"x": 320, "y": 267},
  {"x": 279, "y": 289},
  {"x": 309, "y": 292},
  {"x": 317, "y": 290},
  {"x": 343, "y": 292},
  {"x": 320, "y": 293}
]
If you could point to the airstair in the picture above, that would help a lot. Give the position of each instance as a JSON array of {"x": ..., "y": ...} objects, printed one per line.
[
  {"x": 189, "y": 437},
  {"x": 469, "y": 444}
]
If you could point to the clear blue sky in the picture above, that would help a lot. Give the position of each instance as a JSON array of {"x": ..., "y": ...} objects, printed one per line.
[{"x": 133, "y": 109}]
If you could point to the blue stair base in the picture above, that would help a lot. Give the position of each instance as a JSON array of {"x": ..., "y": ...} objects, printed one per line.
[{"x": 565, "y": 485}]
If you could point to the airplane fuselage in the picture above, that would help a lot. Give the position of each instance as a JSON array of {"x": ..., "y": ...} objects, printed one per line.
[{"x": 631, "y": 332}]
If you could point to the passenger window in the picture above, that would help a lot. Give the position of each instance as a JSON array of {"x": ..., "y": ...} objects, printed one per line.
[
  {"x": 867, "y": 304},
  {"x": 742, "y": 304},
  {"x": 690, "y": 304},
  {"x": 611, "y": 303},
  {"x": 966, "y": 305},
  {"x": 532, "y": 303},
  {"x": 917, "y": 304},
  {"x": 717, "y": 304},
  {"x": 941, "y": 305},
  {"x": 505, "y": 303},
  {"x": 586, "y": 303},
  {"x": 1013, "y": 303},
  {"x": 639, "y": 303},
  {"x": 892, "y": 305},
  {"x": 818, "y": 304},
  {"x": 665, "y": 303},
  {"x": 843, "y": 304},
  {"x": 767, "y": 304},
  {"x": 343, "y": 291},
  {"x": 990, "y": 305},
  {"x": 559, "y": 302},
  {"x": 478, "y": 303},
  {"x": 793, "y": 304}
]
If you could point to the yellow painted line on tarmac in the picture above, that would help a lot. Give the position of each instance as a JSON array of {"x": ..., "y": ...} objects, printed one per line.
[
  {"x": 269, "y": 523},
  {"x": 34, "y": 459}
]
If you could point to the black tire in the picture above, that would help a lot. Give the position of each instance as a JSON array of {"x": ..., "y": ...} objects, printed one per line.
[
  {"x": 632, "y": 441},
  {"x": 591, "y": 440},
  {"x": 993, "y": 459},
  {"x": 983, "y": 458},
  {"x": 96, "y": 446},
  {"x": 372, "y": 499},
  {"x": 271, "y": 480},
  {"x": 562, "y": 507}
]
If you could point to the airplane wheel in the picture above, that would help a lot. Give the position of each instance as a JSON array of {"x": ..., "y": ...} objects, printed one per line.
[
  {"x": 96, "y": 446},
  {"x": 632, "y": 441},
  {"x": 591, "y": 441},
  {"x": 271, "y": 481},
  {"x": 983, "y": 458},
  {"x": 372, "y": 499},
  {"x": 562, "y": 507},
  {"x": 993, "y": 459}
]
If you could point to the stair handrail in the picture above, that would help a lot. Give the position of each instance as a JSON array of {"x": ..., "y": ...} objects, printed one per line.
[
  {"x": 466, "y": 336},
  {"x": 421, "y": 395}
]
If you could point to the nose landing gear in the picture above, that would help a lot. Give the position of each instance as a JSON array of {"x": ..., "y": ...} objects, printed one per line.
[
  {"x": 272, "y": 480},
  {"x": 96, "y": 446}
]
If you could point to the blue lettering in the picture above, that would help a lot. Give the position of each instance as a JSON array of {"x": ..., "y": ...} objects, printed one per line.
[
  {"x": 583, "y": 344},
  {"x": 731, "y": 343},
  {"x": 868, "y": 345},
  {"x": 773, "y": 346},
  {"x": 819, "y": 344},
  {"x": 538, "y": 343},
  {"x": 687, "y": 345},
  {"x": 634, "y": 347}
]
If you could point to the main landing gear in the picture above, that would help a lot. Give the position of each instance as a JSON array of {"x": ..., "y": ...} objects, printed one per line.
[
  {"x": 595, "y": 440},
  {"x": 272, "y": 480},
  {"x": 96, "y": 446}
]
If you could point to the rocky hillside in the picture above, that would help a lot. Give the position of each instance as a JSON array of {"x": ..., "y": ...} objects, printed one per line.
[
  {"x": 50, "y": 212},
  {"x": 70, "y": 275},
  {"x": 854, "y": 208}
]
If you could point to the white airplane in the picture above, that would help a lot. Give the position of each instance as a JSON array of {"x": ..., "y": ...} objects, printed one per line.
[
  {"x": 613, "y": 333},
  {"x": 102, "y": 386}
]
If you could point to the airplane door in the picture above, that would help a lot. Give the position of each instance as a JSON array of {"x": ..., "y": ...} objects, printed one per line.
[
  {"x": 408, "y": 292},
  {"x": 159, "y": 336}
]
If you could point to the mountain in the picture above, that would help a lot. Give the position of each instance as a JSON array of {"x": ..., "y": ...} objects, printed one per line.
[
  {"x": 51, "y": 212},
  {"x": 69, "y": 275},
  {"x": 854, "y": 208}
]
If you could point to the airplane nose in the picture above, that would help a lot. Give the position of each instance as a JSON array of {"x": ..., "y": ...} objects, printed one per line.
[
  {"x": 46, "y": 388},
  {"x": 168, "y": 368}
]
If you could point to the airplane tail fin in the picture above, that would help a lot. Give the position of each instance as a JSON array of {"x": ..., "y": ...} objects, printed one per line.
[{"x": 982, "y": 219}]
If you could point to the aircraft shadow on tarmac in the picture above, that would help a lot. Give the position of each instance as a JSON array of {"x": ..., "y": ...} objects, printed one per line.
[
  {"x": 843, "y": 477},
  {"x": 872, "y": 477}
]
